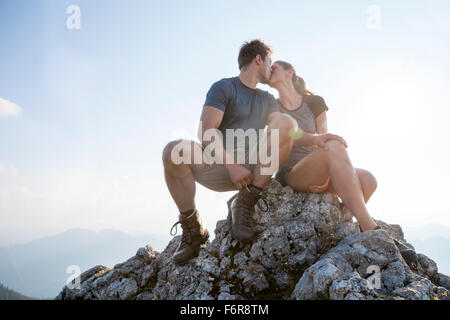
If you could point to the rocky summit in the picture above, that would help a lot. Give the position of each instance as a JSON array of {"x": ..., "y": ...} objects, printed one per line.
[{"x": 308, "y": 247}]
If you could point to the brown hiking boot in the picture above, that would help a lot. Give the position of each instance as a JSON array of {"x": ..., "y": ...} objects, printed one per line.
[
  {"x": 194, "y": 235},
  {"x": 240, "y": 214}
]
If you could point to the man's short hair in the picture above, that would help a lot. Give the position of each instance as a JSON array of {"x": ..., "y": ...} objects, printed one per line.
[{"x": 249, "y": 50}]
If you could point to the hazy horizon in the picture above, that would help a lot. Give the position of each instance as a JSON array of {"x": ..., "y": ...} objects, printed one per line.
[{"x": 420, "y": 232}]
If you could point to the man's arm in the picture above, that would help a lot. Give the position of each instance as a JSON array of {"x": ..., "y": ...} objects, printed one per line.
[
  {"x": 304, "y": 139},
  {"x": 211, "y": 119},
  {"x": 319, "y": 140}
]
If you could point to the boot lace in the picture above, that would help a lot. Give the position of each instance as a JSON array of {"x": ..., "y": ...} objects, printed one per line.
[
  {"x": 264, "y": 200},
  {"x": 248, "y": 213},
  {"x": 186, "y": 236}
]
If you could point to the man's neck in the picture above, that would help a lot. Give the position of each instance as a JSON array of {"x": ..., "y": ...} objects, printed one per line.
[{"x": 249, "y": 78}]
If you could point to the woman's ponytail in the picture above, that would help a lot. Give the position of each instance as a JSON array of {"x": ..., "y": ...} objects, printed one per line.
[{"x": 300, "y": 85}]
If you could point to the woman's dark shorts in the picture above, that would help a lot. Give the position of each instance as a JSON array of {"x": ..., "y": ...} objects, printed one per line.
[{"x": 282, "y": 174}]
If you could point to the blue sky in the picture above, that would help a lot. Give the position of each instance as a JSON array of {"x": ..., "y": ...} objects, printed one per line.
[{"x": 98, "y": 104}]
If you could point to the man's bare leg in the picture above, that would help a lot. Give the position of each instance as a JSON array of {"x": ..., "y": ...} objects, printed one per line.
[
  {"x": 318, "y": 165},
  {"x": 181, "y": 184},
  {"x": 179, "y": 178}
]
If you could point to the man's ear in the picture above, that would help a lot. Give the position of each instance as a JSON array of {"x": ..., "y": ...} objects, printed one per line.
[{"x": 259, "y": 59}]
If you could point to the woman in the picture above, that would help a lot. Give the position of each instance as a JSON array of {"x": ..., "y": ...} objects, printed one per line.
[{"x": 312, "y": 169}]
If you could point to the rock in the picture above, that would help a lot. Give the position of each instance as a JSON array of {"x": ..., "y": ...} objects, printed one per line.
[
  {"x": 444, "y": 280},
  {"x": 351, "y": 287},
  {"x": 416, "y": 290},
  {"x": 394, "y": 230},
  {"x": 356, "y": 254},
  {"x": 315, "y": 282},
  {"x": 307, "y": 248},
  {"x": 122, "y": 289},
  {"x": 125, "y": 281},
  {"x": 427, "y": 267}
]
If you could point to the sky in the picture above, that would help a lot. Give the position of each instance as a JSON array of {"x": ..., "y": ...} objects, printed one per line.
[{"x": 86, "y": 109}]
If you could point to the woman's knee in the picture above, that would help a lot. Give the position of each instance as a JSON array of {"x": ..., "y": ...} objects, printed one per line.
[
  {"x": 368, "y": 181},
  {"x": 336, "y": 151},
  {"x": 336, "y": 146}
]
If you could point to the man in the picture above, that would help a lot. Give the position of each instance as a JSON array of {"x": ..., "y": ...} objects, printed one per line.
[{"x": 233, "y": 104}]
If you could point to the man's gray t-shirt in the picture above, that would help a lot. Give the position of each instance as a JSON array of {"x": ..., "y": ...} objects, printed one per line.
[{"x": 243, "y": 107}]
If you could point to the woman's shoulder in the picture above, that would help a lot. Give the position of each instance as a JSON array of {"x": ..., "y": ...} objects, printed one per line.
[
  {"x": 316, "y": 104},
  {"x": 314, "y": 99}
]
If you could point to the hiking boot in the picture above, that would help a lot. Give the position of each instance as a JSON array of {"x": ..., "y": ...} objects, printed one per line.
[
  {"x": 193, "y": 236},
  {"x": 408, "y": 254},
  {"x": 241, "y": 212}
]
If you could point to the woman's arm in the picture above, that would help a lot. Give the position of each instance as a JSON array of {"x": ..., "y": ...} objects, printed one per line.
[{"x": 321, "y": 123}]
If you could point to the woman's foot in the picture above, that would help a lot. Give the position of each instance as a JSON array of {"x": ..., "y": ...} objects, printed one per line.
[{"x": 376, "y": 228}]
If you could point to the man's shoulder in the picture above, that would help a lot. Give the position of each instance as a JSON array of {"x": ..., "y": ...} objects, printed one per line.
[
  {"x": 225, "y": 82},
  {"x": 267, "y": 95}
]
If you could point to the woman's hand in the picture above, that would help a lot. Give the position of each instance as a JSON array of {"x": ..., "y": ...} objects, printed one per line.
[{"x": 321, "y": 139}]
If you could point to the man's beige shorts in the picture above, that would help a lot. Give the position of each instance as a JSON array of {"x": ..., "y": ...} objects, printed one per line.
[{"x": 216, "y": 177}]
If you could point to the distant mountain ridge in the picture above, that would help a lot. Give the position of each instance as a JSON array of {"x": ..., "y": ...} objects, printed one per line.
[
  {"x": 39, "y": 268},
  {"x": 8, "y": 294}
]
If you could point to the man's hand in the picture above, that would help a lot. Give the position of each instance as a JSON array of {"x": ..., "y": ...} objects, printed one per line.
[
  {"x": 239, "y": 175},
  {"x": 321, "y": 139},
  {"x": 320, "y": 188}
]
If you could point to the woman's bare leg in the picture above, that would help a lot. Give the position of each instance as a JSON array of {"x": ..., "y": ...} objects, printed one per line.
[
  {"x": 366, "y": 179},
  {"x": 319, "y": 164}
]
